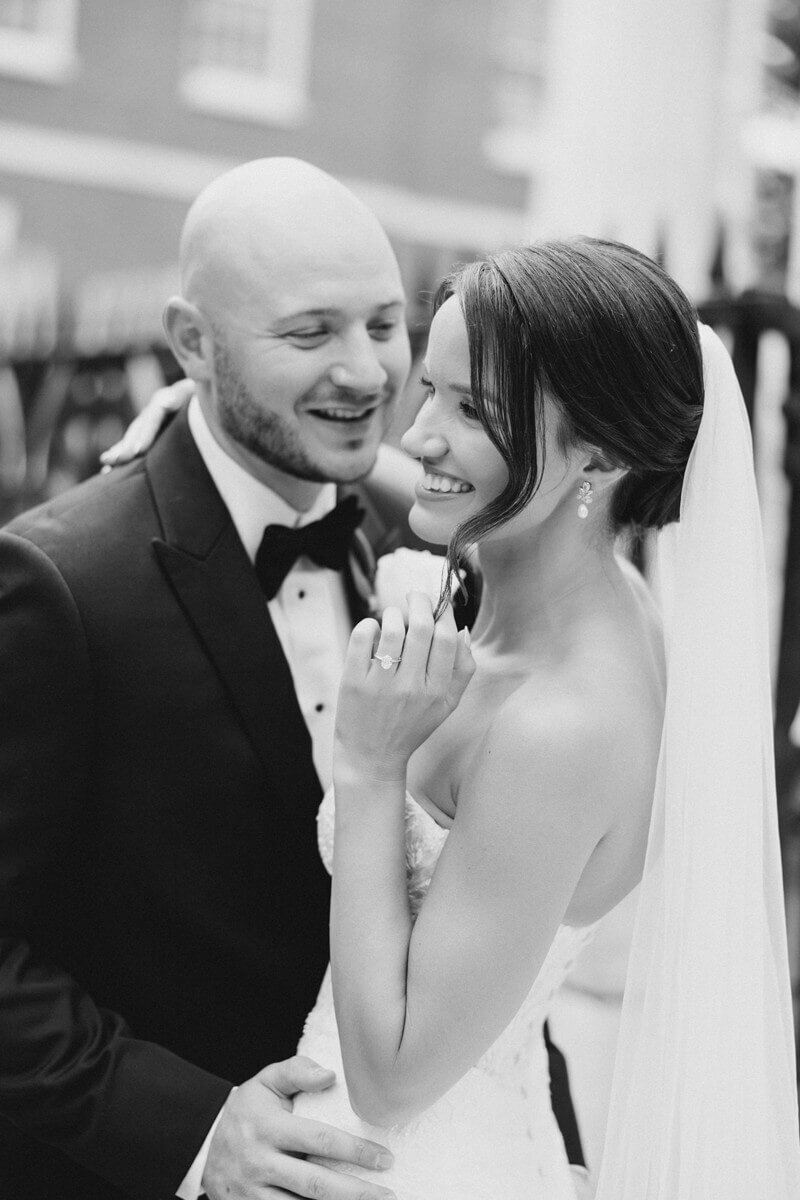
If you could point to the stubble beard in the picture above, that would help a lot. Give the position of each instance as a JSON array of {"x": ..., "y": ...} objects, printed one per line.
[{"x": 264, "y": 433}]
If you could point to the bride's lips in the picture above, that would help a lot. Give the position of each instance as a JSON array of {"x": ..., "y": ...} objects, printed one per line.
[{"x": 440, "y": 485}]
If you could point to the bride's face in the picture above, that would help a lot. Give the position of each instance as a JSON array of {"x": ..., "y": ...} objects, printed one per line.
[{"x": 462, "y": 469}]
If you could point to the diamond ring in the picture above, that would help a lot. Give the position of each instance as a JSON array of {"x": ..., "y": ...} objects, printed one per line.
[{"x": 386, "y": 661}]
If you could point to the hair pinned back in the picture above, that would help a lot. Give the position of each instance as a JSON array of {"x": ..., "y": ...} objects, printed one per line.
[{"x": 605, "y": 334}]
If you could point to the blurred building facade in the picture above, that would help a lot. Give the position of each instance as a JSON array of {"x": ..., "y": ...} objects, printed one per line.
[
  {"x": 114, "y": 115},
  {"x": 639, "y": 135}
]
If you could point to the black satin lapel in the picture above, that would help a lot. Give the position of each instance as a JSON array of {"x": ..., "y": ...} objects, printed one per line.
[
  {"x": 222, "y": 600},
  {"x": 372, "y": 539},
  {"x": 358, "y": 590},
  {"x": 382, "y": 535}
]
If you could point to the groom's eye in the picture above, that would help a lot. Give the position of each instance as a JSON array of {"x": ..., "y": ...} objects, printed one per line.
[
  {"x": 382, "y": 330},
  {"x": 307, "y": 337}
]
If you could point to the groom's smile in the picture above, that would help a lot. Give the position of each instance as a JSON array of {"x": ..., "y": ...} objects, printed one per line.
[
  {"x": 312, "y": 397},
  {"x": 305, "y": 323}
]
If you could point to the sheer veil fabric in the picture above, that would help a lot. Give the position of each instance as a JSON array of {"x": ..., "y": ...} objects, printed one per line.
[{"x": 704, "y": 1098}]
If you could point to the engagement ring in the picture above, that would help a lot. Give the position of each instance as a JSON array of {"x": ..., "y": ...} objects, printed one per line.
[{"x": 386, "y": 661}]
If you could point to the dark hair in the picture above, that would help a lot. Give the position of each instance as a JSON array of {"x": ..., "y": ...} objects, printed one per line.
[{"x": 612, "y": 341}]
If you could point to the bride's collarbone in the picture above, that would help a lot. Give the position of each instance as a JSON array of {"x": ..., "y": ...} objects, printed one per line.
[
  {"x": 438, "y": 767},
  {"x": 447, "y": 758},
  {"x": 630, "y": 697}
]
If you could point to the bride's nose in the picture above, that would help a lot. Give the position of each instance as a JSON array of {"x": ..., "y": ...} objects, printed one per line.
[{"x": 422, "y": 440}]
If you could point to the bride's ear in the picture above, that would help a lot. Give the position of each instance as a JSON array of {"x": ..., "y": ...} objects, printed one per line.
[
  {"x": 599, "y": 467},
  {"x": 190, "y": 337},
  {"x": 600, "y": 471}
]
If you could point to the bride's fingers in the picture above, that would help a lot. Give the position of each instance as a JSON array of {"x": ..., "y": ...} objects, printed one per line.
[
  {"x": 144, "y": 428},
  {"x": 463, "y": 669},
  {"x": 360, "y": 649},
  {"x": 389, "y": 650},
  {"x": 418, "y": 635},
  {"x": 442, "y": 655}
]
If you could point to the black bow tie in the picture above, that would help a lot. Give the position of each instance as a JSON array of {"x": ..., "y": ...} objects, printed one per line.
[{"x": 326, "y": 542}]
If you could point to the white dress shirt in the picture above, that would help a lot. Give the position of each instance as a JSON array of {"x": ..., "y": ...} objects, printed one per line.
[
  {"x": 310, "y": 616},
  {"x": 310, "y": 612}
]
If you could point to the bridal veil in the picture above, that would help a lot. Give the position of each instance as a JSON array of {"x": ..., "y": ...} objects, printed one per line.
[{"x": 704, "y": 1099}]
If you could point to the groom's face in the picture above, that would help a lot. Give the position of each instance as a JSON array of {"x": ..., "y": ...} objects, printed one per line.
[{"x": 310, "y": 354}]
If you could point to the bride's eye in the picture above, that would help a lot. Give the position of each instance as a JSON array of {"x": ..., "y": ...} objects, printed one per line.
[
  {"x": 429, "y": 388},
  {"x": 469, "y": 411}
]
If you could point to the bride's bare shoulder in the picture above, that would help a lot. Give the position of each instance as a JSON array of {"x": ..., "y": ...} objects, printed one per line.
[
  {"x": 545, "y": 764},
  {"x": 590, "y": 726}
]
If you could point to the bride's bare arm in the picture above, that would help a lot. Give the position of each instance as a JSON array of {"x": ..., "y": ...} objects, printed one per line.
[
  {"x": 145, "y": 426},
  {"x": 396, "y": 475},
  {"x": 418, "y": 1004}
]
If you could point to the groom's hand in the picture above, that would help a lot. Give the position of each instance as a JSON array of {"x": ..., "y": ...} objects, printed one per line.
[{"x": 255, "y": 1150}]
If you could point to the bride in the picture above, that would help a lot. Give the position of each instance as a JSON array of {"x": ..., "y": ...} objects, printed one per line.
[{"x": 493, "y": 801}]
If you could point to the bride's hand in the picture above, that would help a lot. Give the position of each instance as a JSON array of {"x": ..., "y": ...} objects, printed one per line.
[
  {"x": 386, "y": 712},
  {"x": 144, "y": 428}
]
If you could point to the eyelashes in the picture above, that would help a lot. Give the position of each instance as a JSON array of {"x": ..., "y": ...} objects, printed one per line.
[{"x": 467, "y": 409}]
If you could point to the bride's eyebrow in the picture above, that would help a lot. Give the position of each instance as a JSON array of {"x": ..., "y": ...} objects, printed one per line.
[{"x": 461, "y": 388}]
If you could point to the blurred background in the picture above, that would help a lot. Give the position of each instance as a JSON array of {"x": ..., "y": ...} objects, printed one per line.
[{"x": 466, "y": 125}]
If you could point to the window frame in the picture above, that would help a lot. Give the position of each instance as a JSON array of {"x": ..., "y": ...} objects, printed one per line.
[
  {"x": 45, "y": 55},
  {"x": 521, "y": 50},
  {"x": 280, "y": 95}
]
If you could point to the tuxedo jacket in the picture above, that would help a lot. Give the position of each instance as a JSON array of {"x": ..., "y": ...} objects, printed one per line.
[{"x": 163, "y": 908}]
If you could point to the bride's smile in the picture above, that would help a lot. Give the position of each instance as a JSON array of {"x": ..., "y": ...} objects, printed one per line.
[{"x": 463, "y": 471}]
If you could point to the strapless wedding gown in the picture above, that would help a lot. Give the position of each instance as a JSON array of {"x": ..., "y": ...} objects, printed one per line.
[{"x": 493, "y": 1136}]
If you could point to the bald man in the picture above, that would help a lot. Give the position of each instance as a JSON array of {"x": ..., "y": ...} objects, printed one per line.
[
  {"x": 166, "y": 720},
  {"x": 169, "y": 674}
]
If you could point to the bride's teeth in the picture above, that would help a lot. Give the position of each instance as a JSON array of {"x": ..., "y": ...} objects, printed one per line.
[{"x": 442, "y": 483}]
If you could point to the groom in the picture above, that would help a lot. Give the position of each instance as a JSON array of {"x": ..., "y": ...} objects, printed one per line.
[{"x": 166, "y": 720}]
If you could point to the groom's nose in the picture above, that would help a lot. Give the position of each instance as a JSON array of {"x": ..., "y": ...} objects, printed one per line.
[{"x": 359, "y": 368}]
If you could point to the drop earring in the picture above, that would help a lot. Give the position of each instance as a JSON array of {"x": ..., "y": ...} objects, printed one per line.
[{"x": 585, "y": 496}]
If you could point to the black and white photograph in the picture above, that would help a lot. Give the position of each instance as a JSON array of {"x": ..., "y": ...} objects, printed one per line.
[{"x": 399, "y": 599}]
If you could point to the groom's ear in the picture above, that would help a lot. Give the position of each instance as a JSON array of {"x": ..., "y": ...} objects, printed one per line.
[{"x": 190, "y": 337}]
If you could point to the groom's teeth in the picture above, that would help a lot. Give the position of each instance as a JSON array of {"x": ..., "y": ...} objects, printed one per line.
[
  {"x": 342, "y": 414},
  {"x": 443, "y": 483}
]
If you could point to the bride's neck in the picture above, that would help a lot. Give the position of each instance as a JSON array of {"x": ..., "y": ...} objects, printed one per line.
[{"x": 536, "y": 586}]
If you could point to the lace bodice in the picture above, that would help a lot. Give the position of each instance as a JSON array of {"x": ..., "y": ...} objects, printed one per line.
[
  {"x": 425, "y": 839},
  {"x": 424, "y": 842},
  {"x": 493, "y": 1134}
]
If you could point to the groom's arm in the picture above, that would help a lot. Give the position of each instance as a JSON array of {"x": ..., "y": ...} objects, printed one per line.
[{"x": 71, "y": 1074}]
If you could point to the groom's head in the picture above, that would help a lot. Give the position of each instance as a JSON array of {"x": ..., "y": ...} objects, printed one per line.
[{"x": 291, "y": 322}]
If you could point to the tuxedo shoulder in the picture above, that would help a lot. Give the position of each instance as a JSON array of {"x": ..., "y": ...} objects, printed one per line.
[{"x": 95, "y": 513}]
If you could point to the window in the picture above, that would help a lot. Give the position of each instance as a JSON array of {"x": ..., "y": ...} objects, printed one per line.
[
  {"x": 519, "y": 41},
  {"x": 38, "y": 39},
  {"x": 247, "y": 59}
]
